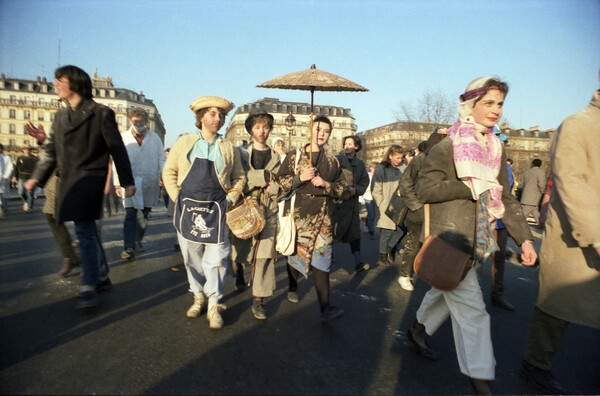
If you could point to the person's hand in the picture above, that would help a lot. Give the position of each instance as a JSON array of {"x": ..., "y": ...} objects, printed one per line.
[
  {"x": 129, "y": 191},
  {"x": 14, "y": 179},
  {"x": 30, "y": 184},
  {"x": 37, "y": 133},
  {"x": 528, "y": 255},
  {"x": 307, "y": 174},
  {"x": 119, "y": 191},
  {"x": 318, "y": 181}
]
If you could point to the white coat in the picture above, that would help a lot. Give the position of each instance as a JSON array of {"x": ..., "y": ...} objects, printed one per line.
[
  {"x": 147, "y": 162},
  {"x": 6, "y": 170}
]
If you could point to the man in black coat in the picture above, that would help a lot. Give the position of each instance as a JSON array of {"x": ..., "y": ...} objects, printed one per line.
[{"x": 84, "y": 135}]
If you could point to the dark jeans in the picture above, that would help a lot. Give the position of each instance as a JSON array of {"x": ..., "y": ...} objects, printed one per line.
[
  {"x": 370, "y": 205},
  {"x": 498, "y": 259},
  {"x": 62, "y": 237},
  {"x": 93, "y": 261},
  {"x": 134, "y": 226},
  {"x": 411, "y": 247},
  {"x": 26, "y": 196}
]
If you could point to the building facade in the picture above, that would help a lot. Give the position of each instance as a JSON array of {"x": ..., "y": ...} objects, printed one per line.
[
  {"x": 523, "y": 144},
  {"x": 36, "y": 101},
  {"x": 298, "y": 133}
]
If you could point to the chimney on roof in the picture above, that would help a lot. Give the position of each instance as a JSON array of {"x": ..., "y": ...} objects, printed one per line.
[
  {"x": 39, "y": 80},
  {"x": 3, "y": 77},
  {"x": 44, "y": 80}
]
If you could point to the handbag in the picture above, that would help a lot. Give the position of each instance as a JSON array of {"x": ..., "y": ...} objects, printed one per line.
[
  {"x": 286, "y": 231},
  {"x": 440, "y": 264},
  {"x": 396, "y": 209},
  {"x": 246, "y": 219}
]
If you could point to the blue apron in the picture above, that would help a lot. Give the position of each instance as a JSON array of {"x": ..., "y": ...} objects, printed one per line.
[{"x": 201, "y": 205}]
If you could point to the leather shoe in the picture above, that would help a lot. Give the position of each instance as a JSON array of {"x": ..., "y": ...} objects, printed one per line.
[
  {"x": 542, "y": 379},
  {"x": 499, "y": 300},
  {"x": 426, "y": 351}
]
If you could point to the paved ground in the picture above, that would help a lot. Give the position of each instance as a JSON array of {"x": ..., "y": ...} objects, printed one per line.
[{"x": 140, "y": 342}]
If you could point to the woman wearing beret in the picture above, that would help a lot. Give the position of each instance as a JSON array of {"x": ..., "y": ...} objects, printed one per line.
[
  {"x": 466, "y": 167},
  {"x": 203, "y": 176}
]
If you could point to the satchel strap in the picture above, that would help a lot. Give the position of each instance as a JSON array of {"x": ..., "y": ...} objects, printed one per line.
[
  {"x": 236, "y": 189},
  {"x": 426, "y": 222}
]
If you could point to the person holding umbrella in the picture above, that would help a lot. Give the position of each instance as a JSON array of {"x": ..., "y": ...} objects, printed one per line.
[{"x": 317, "y": 180}]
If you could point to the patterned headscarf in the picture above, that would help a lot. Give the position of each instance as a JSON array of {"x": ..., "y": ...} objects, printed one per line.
[{"x": 477, "y": 151}]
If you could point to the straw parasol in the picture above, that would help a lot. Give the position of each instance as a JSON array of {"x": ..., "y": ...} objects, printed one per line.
[{"x": 313, "y": 80}]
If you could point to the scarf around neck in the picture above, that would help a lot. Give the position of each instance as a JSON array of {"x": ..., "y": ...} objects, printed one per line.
[{"x": 477, "y": 156}]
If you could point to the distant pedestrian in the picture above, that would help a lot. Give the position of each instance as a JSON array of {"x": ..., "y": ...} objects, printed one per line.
[
  {"x": 458, "y": 171},
  {"x": 346, "y": 212},
  {"x": 83, "y": 136},
  {"x": 317, "y": 184},
  {"x": 369, "y": 203},
  {"x": 261, "y": 165},
  {"x": 414, "y": 214},
  {"x": 534, "y": 183},
  {"x": 204, "y": 176},
  {"x": 569, "y": 290},
  {"x": 147, "y": 158},
  {"x": 385, "y": 183},
  {"x": 6, "y": 171},
  {"x": 279, "y": 146},
  {"x": 24, "y": 167}
]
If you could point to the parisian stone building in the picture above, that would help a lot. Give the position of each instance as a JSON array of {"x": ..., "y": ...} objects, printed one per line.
[
  {"x": 22, "y": 101},
  {"x": 523, "y": 144},
  {"x": 295, "y": 134}
]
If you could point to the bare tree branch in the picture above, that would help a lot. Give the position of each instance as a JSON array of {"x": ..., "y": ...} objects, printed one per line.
[{"x": 433, "y": 107}]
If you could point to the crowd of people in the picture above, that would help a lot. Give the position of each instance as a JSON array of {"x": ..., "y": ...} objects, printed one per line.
[{"x": 461, "y": 173}]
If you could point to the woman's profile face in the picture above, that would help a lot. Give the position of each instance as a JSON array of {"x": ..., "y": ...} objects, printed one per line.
[
  {"x": 488, "y": 110},
  {"x": 321, "y": 132},
  {"x": 395, "y": 159}
]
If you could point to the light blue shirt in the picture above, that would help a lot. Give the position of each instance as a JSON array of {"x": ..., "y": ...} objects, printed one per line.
[{"x": 210, "y": 151}]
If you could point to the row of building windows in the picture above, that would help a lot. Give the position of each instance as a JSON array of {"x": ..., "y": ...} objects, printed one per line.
[{"x": 41, "y": 116}]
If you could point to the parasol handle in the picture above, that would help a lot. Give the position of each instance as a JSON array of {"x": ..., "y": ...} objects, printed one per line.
[{"x": 312, "y": 92}]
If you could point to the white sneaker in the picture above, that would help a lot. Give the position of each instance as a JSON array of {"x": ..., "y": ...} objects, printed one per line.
[
  {"x": 196, "y": 308},
  {"x": 214, "y": 317},
  {"x": 405, "y": 283}
]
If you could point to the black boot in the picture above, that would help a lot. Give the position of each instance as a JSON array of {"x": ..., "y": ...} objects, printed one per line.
[
  {"x": 390, "y": 255},
  {"x": 240, "y": 284},
  {"x": 499, "y": 300},
  {"x": 383, "y": 260}
]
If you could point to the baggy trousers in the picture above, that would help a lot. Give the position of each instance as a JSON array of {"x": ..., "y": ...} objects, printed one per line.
[{"x": 470, "y": 324}]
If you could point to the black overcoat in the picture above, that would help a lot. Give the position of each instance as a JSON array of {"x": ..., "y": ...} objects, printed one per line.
[{"x": 79, "y": 149}]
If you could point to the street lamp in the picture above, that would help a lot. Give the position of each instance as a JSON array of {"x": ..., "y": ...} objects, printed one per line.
[{"x": 290, "y": 121}]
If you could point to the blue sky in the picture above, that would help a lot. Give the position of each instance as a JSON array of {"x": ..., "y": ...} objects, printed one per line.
[{"x": 177, "y": 50}]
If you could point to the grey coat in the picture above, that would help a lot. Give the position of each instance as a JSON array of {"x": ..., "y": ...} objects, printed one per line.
[
  {"x": 385, "y": 184},
  {"x": 243, "y": 249},
  {"x": 452, "y": 207},
  {"x": 346, "y": 213},
  {"x": 569, "y": 265},
  {"x": 534, "y": 184}
]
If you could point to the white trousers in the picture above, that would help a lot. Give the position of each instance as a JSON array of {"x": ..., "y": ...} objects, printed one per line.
[
  {"x": 470, "y": 324},
  {"x": 206, "y": 267}
]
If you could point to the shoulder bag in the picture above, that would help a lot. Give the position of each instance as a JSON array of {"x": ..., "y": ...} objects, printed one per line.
[
  {"x": 440, "y": 264},
  {"x": 246, "y": 219},
  {"x": 285, "y": 242}
]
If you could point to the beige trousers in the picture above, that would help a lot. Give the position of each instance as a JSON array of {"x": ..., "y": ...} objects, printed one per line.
[{"x": 470, "y": 324}]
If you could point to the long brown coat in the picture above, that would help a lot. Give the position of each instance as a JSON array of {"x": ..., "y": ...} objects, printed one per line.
[
  {"x": 452, "y": 208},
  {"x": 243, "y": 249},
  {"x": 79, "y": 149},
  {"x": 569, "y": 265},
  {"x": 385, "y": 183}
]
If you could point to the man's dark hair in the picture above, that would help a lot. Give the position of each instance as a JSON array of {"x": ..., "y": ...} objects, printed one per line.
[
  {"x": 510, "y": 160},
  {"x": 325, "y": 120},
  {"x": 422, "y": 146},
  {"x": 79, "y": 80},
  {"x": 536, "y": 162}
]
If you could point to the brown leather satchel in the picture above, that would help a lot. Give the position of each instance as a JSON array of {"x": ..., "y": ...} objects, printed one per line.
[{"x": 440, "y": 264}]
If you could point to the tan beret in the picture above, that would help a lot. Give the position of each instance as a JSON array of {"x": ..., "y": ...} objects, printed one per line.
[{"x": 211, "y": 101}]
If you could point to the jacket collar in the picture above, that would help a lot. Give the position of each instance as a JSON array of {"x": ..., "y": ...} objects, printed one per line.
[{"x": 84, "y": 110}]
